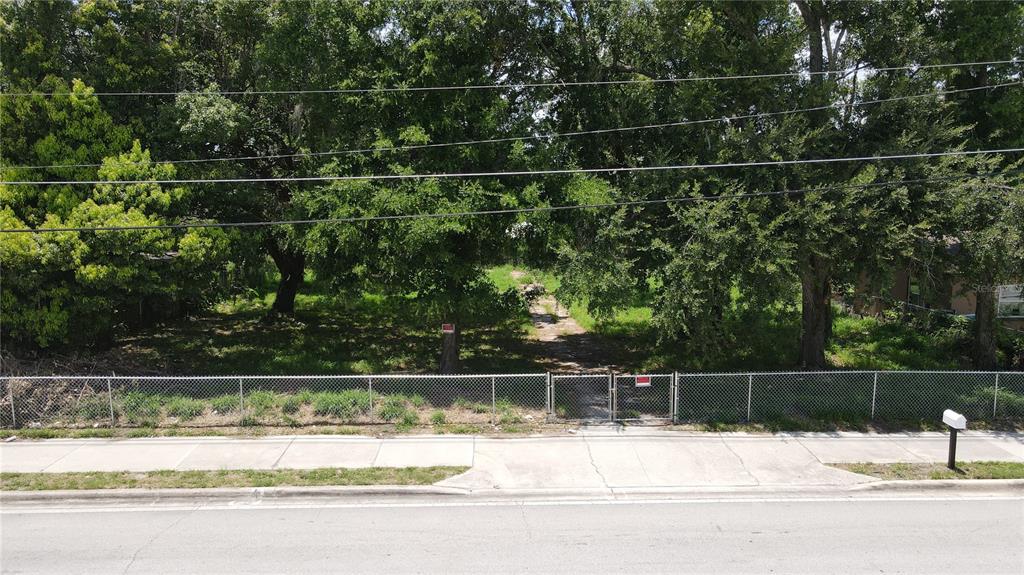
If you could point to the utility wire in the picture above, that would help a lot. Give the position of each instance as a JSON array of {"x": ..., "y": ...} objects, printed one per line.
[
  {"x": 444, "y": 175},
  {"x": 522, "y": 85},
  {"x": 356, "y": 219},
  {"x": 724, "y": 119}
]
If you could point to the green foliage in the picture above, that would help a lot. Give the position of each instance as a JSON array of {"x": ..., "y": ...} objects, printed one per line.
[
  {"x": 291, "y": 404},
  {"x": 345, "y": 404},
  {"x": 185, "y": 408},
  {"x": 260, "y": 401},
  {"x": 438, "y": 418},
  {"x": 92, "y": 408},
  {"x": 392, "y": 407},
  {"x": 138, "y": 407},
  {"x": 224, "y": 404}
]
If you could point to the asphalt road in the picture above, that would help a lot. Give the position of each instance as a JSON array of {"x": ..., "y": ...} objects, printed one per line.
[{"x": 896, "y": 535}]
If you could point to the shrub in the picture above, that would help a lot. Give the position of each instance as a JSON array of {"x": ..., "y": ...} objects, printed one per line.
[
  {"x": 184, "y": 407},
  {"x": 392, "y": 407},
  {"x": 342, "y": 404},
  {"x": 138, "y": 406},
  {"x": 259, "y": 401},
  {"x": 438, "y": 418},
  {"x": 93, "y": 407},
  {"x": 291, "y": 403},
  {"x": 224, "y": 403},
  {"x": 408, "y": 419}
]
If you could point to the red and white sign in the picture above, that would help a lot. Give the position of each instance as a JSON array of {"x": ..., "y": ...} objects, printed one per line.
[
  {"x": 643, "y": 381},
  {"x": 447, "y": 328}
]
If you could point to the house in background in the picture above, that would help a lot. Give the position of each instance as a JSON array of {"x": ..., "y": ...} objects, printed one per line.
[{"x": 942, "y": 295}]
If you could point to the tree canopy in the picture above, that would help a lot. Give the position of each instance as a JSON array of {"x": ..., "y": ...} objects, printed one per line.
[{"x": 301, "y": 88}]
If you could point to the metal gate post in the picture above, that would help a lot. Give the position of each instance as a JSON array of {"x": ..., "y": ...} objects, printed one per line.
[
  {"x": 494, "y": 404},
  {"x": 611, "y": 396},
  {"x": 874, "y": 393},
  {"x": 110, "y": 397},
  {"x": 995, "y": 397},
  {"x": 750, "y": 390}
]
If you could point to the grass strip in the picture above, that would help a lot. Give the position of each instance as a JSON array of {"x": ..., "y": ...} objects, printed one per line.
[
  {"x": 227, "y": 478},
  {"x": 971, "y": 470}
]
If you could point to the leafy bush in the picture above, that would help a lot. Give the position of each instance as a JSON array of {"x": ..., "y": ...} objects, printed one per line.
[
  {"x": 137, "y": 406},
  {"x": 224, "y": 403},
  {"x": 342, "y": 404},
  {"x": 259, "y": 401},
  {"x": 184, "y": 407},
  {"x": 392, "y": 407},
  {"x": 93, "y": 407},
  {"x": 438, "y": 418},
  {"x": 409, "y": 419},
  {"x": 291, "y": 404}
]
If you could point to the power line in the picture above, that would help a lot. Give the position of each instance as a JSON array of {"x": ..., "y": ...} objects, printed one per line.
[
  {"x": 444, "y": 175},
  {"x": 521, "y": 85},
  {"x": 723, "y": 119},
  {"x": 506, "y": 211}
]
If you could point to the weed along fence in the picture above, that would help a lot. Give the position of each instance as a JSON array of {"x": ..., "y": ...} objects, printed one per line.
[{"x": 508, "y": 400}]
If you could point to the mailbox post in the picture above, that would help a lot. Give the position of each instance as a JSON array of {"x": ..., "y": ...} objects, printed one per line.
[{"x": 956, "y": 422}]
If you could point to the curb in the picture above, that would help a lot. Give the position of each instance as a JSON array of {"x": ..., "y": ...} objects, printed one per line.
[
  {"x": 223, "y": 494},
  {"x": 945, "y": 485},
  {"x": 250, "y": 495}
]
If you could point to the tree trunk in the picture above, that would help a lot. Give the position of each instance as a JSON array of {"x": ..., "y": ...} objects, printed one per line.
[
  {"x": 292, "y": 267},
  {"x": 816, "y": 326},
  {"x": 450, "y": 350},
  {"x": 985, "y": 329}
]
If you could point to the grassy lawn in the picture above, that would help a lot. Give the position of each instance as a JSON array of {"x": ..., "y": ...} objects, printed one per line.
[
  {"x": 336, "y": 332},
  {"x": 330, "y": 333},
  {"x": 228, "y": 478},
  {"x": 972, "y": 470}
]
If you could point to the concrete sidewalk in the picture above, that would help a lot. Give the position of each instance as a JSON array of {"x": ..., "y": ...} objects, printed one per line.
[{"x": 596, "y": 458}]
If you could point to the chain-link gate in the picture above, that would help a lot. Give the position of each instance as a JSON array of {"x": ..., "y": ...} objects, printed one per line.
[
  {"x": 582, "y": 396},
  {"x": 639, "y": 397}
]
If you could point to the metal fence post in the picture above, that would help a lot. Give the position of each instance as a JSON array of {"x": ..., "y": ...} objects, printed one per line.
[
  {"x": 110, "y": 397},
  {"x": 995, "y": 397},
  {"x": 369, "y": 382},
  {"x": 674, "y": 400},
  {"x": 10, "y": 396},
  {"x": 494, "y": 404},
  {"x": 549, "y": 394},
  {"x": 241, "y": 398},
  {"x": 612, "y": 395},
  {"x": 750, "y": 392},
  {"x": 874, "y": 394}
]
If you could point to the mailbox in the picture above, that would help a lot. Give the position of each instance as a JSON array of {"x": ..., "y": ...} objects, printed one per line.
[
  {"x": 956, "y": 422},
  {"x": 954, "y": 419}
]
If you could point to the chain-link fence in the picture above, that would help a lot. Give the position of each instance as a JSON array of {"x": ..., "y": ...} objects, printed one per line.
[
  {"x": 848, "y": 396},
  {"x": 405, "y": 400},
  {"x": 508, "y": 399}
]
